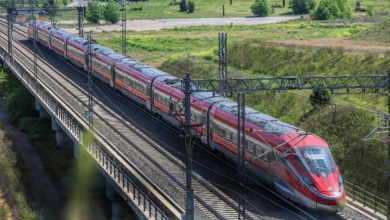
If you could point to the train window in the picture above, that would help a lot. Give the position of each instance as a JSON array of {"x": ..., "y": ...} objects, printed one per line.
[
  {"x": 222, "y": 132},
  {"x": 250, "y": 146}
]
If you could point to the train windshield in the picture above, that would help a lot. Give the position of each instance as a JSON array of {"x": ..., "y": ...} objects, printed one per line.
[{"x": 318, "y": 159}]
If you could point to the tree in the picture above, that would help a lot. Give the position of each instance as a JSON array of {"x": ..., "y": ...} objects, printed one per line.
[
  {"x": 111, "y": 12},
  {"x": 183, "y": 6},
  {"x": 333, "y": 9},
  {"x": 320, "y": 97},
  {"x": 261, "y": 8},
  {"x": 191, "y": 7},
  {"x": 93, "y": 12},
  {"x": 302, "y": 6}
]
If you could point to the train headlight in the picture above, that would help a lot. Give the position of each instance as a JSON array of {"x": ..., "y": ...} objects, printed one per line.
[
  {"x": 309, "y": 182},
  {"x": 341, "y": 184}
]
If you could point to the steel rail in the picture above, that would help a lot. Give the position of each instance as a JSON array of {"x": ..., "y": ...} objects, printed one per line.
[
  {"x": 98, "y": 133},
  {"x": 197, "y": 178},
  {"x": 164, "y": 153}
]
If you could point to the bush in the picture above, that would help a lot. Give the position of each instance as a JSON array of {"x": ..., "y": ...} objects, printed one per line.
[
  {"x": 333, "y": 9},
  {"x": 190, "y": 7},
  {"x": 183, "y": 6},
  {"x": 320, "y": 97},
  {"x": 111, "y": 12},
  {"x": 302, "y": 6},
  {"x": 370, "y": 12},
  {"x": 261, "y": 8},
  {"x": 93, "y": 12}
]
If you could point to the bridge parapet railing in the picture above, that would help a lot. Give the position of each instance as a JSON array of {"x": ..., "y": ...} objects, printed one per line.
[
  {"x": 365, "y": 198},
  {"x": 73, "y": 127}
]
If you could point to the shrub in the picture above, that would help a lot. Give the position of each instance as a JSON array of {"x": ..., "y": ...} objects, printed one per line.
[
  {"x": 370, "y": 12},
  {"x": 111, "y": 12},
  {"x": 191, "y": 7},
  {"x": 183, "y": 6},
  {"x": 261, "y": 8},
  {"x": 333, "y": 9},
  {"x": 320, "y": 97},
  {"x": 93, "y": 12},
  {"x": 302, "y": 6}
]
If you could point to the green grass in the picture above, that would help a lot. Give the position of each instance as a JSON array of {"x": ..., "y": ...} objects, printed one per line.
[
  {"x": 376, "y": 34},
  {"x": 11, "y": 183},
  {"x": 155, "y": 46},
  {"x": 156, "y": 9}
]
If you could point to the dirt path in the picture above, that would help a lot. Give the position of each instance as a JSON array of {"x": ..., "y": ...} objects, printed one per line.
[
  {"x": 335, "y": 43},
  {"x": 159, "y": 24},
  {"x": 43, "y": 190}
]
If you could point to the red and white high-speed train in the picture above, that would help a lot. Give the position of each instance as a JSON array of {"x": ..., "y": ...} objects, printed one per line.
[{"x": 300, "y": 165}]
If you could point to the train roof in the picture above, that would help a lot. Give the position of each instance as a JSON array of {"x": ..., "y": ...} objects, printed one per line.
[
  {"x": 105, "y": 51},
  {"x": 78, "y": 40},
  {"x": 62, "y": 32},
  {"x": 265, "y": 122}
]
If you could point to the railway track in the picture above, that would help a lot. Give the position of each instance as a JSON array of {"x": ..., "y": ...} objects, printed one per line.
[
  {"x": 208, "y": 197},
  {"x": 209, "y": 201}
]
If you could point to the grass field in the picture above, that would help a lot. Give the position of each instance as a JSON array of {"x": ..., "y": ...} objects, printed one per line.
[
  {"x": 155, "y": 47},
  {"x": 154, "y": 9}
]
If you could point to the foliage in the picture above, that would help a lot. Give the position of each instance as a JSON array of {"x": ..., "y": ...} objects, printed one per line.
[
  {"x": 360, "y": 162},
  {"x": 17, "y": 100},
  {"x": 11, "y": 174},
  {"x": 11, "y": 183},
  {"x": 111, "y": 12},
  {"x": 320, "y": 97},
  {"x": 93, "y": 12},
  {"x": 302, "y": 6},
  {"x": 333, "y": 9},
  {"x": 377, "y": 33},
  {"x": 191, "y": 7},
  {"x": 179, "y": 66},
  {"x": 370, "y": 12},
  {"x": 182, "y": 6},
  {"x": 261, "y": 8},
  {"x": 264, "y": 59}
]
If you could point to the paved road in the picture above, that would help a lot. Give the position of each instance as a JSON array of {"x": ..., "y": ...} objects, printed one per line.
[{"x": 158, "y": 24}]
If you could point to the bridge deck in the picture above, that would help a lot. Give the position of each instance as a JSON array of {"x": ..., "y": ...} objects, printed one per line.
[{"x": 160, "y": 164}]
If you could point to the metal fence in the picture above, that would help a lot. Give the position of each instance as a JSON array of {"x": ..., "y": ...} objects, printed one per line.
[
  {"x": 138, "y": 196},
  {"x": 367, "y": 199}
]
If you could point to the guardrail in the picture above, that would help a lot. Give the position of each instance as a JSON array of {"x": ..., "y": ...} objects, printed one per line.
[
  {"x": 365, "y": 198},
  {"x": 76, "y": 131}
]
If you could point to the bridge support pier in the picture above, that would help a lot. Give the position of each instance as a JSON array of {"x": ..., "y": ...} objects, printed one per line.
[
  {"x": 62, "y": 138},
  {"x": 41, "y": 111},
  {"x": 117, "y": 206},
  {"x": 76, "y": 149}
]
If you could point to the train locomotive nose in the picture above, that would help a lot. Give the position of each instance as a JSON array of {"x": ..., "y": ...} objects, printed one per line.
[{"x": 333, "y": 203}]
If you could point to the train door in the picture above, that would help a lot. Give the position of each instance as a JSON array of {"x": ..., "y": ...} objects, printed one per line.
[
  {"x": 278, "y": 175},
  {"x": 49, "y": 40},
  {"x": 112, "y": 79},
  {"x": 149, "y": 96},
  {"x": 66, "y": 48}
]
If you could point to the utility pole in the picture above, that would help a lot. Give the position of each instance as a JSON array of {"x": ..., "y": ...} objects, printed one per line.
[
  {"x": 80, "y": 10},
  {"x": 189, "y": 213},
  {"x": 10, "y": 20},
  {"x": 388, "y": 144},
  {"x": 222, "y": 60},
  {"x": 123, "y": 28},
  {"x": 89, "y": 113},
  {"x": 241, "y": 148},
  {"x": 35, "y": 36},
  {"x": 52, "y": 12}
]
